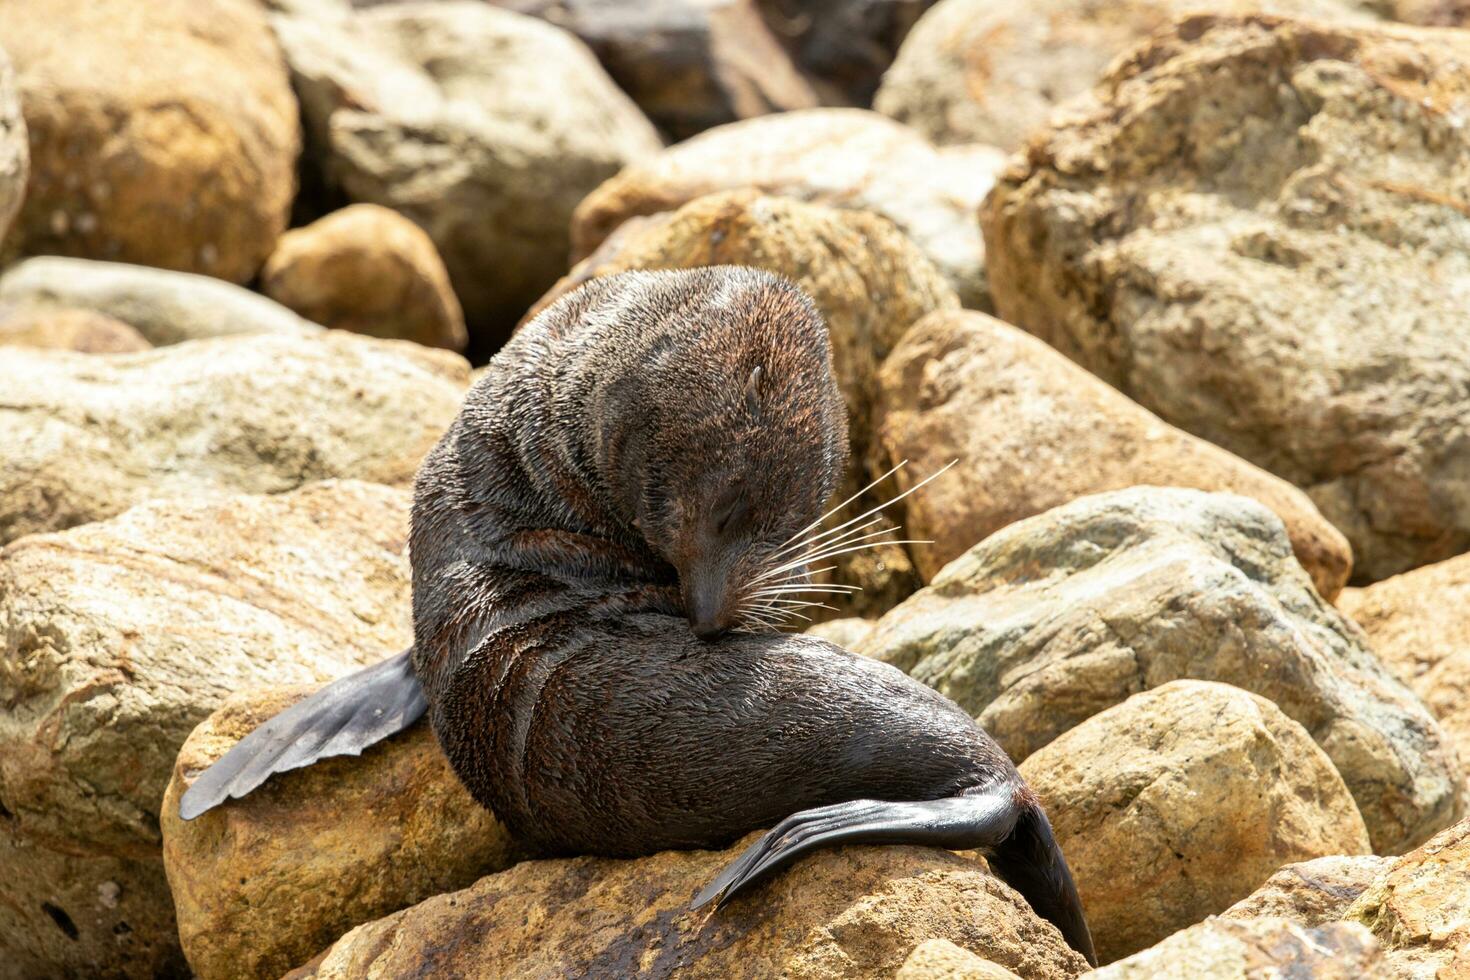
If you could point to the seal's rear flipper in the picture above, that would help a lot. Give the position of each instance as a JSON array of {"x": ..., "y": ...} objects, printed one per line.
[
  {"x": 1007, "y": 824},
  {"x": 342, "y": 718}
]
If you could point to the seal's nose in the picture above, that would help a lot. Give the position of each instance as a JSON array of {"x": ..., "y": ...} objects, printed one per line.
[{"x": 704, "y": 604}]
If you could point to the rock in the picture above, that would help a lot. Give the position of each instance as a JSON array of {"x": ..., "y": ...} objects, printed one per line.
[
  {"x": 868, "y": 280},
  {"x": 1313, "y": 892},
  {"x": 1031, "y": 431},
  {"x": 88, "y": 437},
  {"x": 1182, "y": 800},
  {"x": 940, "y": 959},
  {"x": 482, "y": 126},
  {"x": 317, "y": 851},
  {"x": 849, "y": 912},
  {"x": 845, "y": 45},
  {"x": 15, "y": 154},
  {"x": 689, "y": 64},
  {"x": 162, "y": 133},
  {"x": 847, "y": 632},
  {"x": 64, "y": 328},
  {"x": 973, "y": 71},
  {"x": 1059, "y": 616},
  {"x": 845, "y": 158},
  {"x": 117, "y": 638},
  {"x": 1418, "y": 623},
  {"x": 1254, "y": 949},
  {"x": 165, "y": 307},
  {"x": 369, "y": 270},
  {"x": 1290, "y": 286}
]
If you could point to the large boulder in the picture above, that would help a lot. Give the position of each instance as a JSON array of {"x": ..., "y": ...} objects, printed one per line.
[
  {"x": 162, "y": 133},
  {"x": 67, "y": 328},
  {"x": 1031, "y": 430},
  {"x": 261, "y": 885},
  {"x": 117, "y": 638},
  {"x": 1182, "y": 800},
  {"x": 850, "y": 913},
  {"x": 369, "y": 270},
  {"x": 1418, "y": 623},
  {"x": 1059, "y": 616},
  {"x": 1237, "y": 236},
  {"x": 1255, "y": 949},
  {"x": 483, "y": 126},
  {"x": 867, "y": 279},
  {"x": 165, "y": 307},
  {"x": 87, "y": 437},
  {"x": 844, "y": 158},
  {"x": 1310, "y": 893}
]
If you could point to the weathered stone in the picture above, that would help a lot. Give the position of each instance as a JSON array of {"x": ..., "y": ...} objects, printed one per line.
[
  {"x": 87, "y": 437},
  {"x": 845, "y": 913},
  {"x": 845, "y": 46},
  {"x": 940, "y": 959},
  {"x": 67, "y": 328},
  {"x": 162, "y": 133},
  {"x": 165, "y": 307},
  {"x": 1054, "y": 618},
  {"x": 1312, "y": 892},
  {"x": 117, "y": 638},
  {"x": 1258, "y": 231},
  {"x": 1182, "y": 800},
  {"x": 1418, "y": 624},
  {"x": 369, "y": 270},
  {"x": 1031, "y": 430},
  {"x": 482, "y": 126},
  {"x": 15, "y": 154},
  {"x": 844, "y": 158},
  {"x": 867, "y": 279},
  {"x": 1255, "y": 949},
  {"x": 847, "y": 632},
  {"x": 263, "y": 884}
]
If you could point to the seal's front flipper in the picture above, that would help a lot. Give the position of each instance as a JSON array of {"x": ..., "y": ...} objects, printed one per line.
[{"x": 342, "y": 718}]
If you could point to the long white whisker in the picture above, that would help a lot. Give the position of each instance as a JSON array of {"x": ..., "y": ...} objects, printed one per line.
[
  {"x": 818, "y": 522},
  {"x": 822, "y": 552},
  {"x": 916, "y": 486}
]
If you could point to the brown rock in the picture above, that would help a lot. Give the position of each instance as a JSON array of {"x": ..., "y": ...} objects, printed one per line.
[
  {"x": 1313, "y": 892},
  {"x": 163, "y": 133},
  {"x": 83, "y": 331},
  {"x": 1031, "y": 430},
  {"x": 117, "y": 638},
  {"x": 845, "y": 158},
  {"x": 1288, "y": 285},
  {"x": 261, "y": 885},
  {"x": 846, "y": 913},
  {"x": 1255, "y": 949},
  {"x": 369, "y": 270},
  {"x": 940, "y": 959},
  {"x": 1418, "y": 623},
  {"x": 1181, "y": 801}
]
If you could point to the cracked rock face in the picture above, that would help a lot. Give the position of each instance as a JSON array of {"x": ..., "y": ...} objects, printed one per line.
[{"x": 1258, "y": 229}]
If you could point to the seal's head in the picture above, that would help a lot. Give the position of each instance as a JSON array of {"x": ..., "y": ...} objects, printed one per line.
[{"x": 725, "y": 443}]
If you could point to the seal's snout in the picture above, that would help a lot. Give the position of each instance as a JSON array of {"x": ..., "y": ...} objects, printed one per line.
[{"x": 706, "y": 605}]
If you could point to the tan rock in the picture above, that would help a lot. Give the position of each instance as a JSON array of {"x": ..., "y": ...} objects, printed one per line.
[
  {"x": 1418, "y": 624},
  {"x": 1031, "y": 430},
  {"x": 1182, "y": 800},
  {"x": 845, "y": 158},
  {"x": 847, "y": 631},
  {"x": 162, "y": 133},
  {"x": 1255, "y": 949},
  {"x": 1289, "y": 286},
  {"x": 940, "y": 959},
  {"x": 88, "y": 437},
  {"x": 261, "y": 885},
  {"x": 63, "y": 328},
  {"x": 1056, "y": 617},
  {"x": 845, "y": 913},
  {"x": 15, "y": 153},
  {"x": 369, "y": 270},
  {"x": 117, "y": 638}
]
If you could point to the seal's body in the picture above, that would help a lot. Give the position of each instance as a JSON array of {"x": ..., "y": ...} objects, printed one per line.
[{"x": 589, "y": 541}]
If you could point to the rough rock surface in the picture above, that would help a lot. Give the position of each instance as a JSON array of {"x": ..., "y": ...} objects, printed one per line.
[
  {"x": 976, "y": 71},
  {"x": 1255, "y": 949},
  {"x": 482, "y": 126},
  {"x": 940, "y": 959},
  {"x": 1258, "y": 231},
  {"x": 1418, "y": 624},
  {"x": 15, "y": 154},
  {"x": 1312, "y": 892},
  {"x": 846, "y": 158},
  {"x": 1031, "y": 430},
  {"x": 117, "y": 638},
  {"x": 1182, "y": 800},
  {"x": 840, "y": 914},
  {"x": 845, "y": 46},
  {"x": 87, "y": 437},
  {"x": 263, "y": 884},
  {"x": 1054, "y": 618},
  {"x": 868, "y": 280},
  {"x": 162, "y": 133},
  {"x": 369, "y": 270},
  {"x": 847, "y": 631},
  {"x": 165, "y": 307},
  {"x": 67, "y": 328}
]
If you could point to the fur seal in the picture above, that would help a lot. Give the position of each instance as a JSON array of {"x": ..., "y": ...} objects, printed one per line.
[{"x": 600, "y": 543}]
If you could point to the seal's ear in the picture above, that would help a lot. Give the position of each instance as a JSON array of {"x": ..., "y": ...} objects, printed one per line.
[{"x": 752, "y": 390}]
